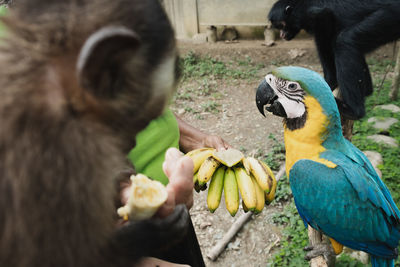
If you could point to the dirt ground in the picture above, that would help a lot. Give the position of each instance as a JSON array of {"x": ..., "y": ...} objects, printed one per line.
[{"x": 240, "y": 124}]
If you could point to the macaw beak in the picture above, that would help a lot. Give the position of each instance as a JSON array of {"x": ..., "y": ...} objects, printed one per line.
[{"x": 266, "y": 96}]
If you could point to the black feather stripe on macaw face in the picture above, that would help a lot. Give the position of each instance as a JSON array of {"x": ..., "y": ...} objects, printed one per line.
[{"x": 281, "y": 97}]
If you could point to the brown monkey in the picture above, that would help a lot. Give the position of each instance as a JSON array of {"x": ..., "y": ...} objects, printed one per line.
[{"x": 78, "y": 80}]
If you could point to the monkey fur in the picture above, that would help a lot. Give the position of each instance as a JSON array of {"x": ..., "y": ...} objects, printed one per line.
[{"x": 79, "y": 79}]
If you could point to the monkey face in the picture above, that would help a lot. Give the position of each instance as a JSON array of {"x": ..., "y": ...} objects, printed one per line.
[
  {"x": 282, "y": 16},
  {"x": 131, "y": 69}
]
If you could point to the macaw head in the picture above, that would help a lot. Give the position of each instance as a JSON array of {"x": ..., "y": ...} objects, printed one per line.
[{"x": 284, "y": 91}]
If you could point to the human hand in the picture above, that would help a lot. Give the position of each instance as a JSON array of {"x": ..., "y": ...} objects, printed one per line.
[
  {"x": 192, "y": 138},
  {"x": 179, "y": 170},
  {"x": 216, "y": 142}
]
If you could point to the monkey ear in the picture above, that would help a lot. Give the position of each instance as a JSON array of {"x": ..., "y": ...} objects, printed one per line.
[{"x": 102, "y": 56}]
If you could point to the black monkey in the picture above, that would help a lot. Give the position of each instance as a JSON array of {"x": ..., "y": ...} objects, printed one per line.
[{"x": 344, "y": 30}]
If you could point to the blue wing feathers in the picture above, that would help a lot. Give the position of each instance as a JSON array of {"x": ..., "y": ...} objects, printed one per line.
[
  {"x": 348, "y": 203},
  {"x": 364, "y": 180},
  {"x": 363, "y": 160}
]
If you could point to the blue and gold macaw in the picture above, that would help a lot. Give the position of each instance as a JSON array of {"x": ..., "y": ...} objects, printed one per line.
[{"x": 335, "y": 188}]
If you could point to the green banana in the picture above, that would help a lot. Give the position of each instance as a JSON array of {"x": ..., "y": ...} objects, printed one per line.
[
  {"x": 207, "y": 169},
  {"x": 231, "y": 192},
  {"x": 215, "y": 189},
  {"x": 246, "y": 188}
]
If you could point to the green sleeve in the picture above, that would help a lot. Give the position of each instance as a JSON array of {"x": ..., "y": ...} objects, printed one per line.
[{"x": 151, "y": 145}]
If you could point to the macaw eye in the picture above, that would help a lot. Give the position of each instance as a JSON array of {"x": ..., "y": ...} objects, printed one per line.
[
  {"x": 292, "y": 86},
  {"x": 288, "y": 10}
]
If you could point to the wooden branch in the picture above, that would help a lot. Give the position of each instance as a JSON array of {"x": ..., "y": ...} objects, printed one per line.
[
  {"x": 347, "y": 128},
  {"x": 236, "y": 226},
  {"x": 396, "y": 80},
  {"x": 315, "y": 238}
]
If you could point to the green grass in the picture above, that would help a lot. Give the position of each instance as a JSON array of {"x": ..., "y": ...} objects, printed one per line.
[
  {"x": 195, "y": 67},
  {"x": 294, "y": 238},
  {"x": 211, "y": 106},
  {"x": 294, "y": 234}
]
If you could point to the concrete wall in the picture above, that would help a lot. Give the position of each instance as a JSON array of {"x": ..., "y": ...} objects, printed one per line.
[
  {"x": 183, "y": 16},
  {"x": 193, "y": 16}
]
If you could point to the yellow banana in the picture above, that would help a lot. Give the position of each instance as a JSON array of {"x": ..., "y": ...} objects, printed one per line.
[
  {"x": 207, "y": 169},
  {"x": 246, "y": 165},
  {"x": 259, "y": 196},
  {"x": 269, "y": 197},
  {"x": 246, "y": 188},
  {"x": 215, "y": 189},
  {"x": 257, "y": 168},
  {"x": 231, "y": 192},
  {"x": 198, "y": 156}
]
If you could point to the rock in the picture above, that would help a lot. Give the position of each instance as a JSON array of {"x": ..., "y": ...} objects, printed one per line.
[
  {"x": 295, "y": 53},
  {"x": 269, "y": 36},
  {"x": 387, "y": 140},
  {"x": 211, "y": 34},
  {"x": 200, "y": 38},
  {"x": 181, "y": 111},
  {"x": 204, "y": 225},
  {"x": 235, "y": 245},
  {"x": 376, "y": 159},
  {"x": 382, "y": 123},
  {"x": 391, "y": 107},
  {"x": 358, "y": 255}
]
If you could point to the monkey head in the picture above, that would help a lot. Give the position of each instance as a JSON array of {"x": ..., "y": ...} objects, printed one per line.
[
  {"x": 122, "y": 59},
  {"x": 283, "y": 18}
]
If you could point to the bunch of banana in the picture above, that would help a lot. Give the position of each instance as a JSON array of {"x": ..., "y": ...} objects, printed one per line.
[{"x": 231, "y": 172}]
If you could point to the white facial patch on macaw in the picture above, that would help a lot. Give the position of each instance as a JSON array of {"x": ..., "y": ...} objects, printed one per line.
[{"x": 290, "y": 95}]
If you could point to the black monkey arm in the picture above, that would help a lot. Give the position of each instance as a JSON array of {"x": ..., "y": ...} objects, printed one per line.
[
  {"x": 351, "y": 44},
  {"x": 151, "y": 237},
  {"x": 323, "y": 22}
]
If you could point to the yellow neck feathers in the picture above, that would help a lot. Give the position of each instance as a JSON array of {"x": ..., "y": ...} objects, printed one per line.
[{"x": 306, "y": 143}]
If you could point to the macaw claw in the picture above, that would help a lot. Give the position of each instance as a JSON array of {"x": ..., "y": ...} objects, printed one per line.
[{"x": 321, "y": 249}]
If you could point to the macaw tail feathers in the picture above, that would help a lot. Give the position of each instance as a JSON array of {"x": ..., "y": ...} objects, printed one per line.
[{"x": 381, "y": 262}]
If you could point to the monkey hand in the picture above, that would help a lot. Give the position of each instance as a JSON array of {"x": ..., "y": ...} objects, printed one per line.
[
  {"x": 179, "y": 170},
  {"x": 150, "y": 237}
]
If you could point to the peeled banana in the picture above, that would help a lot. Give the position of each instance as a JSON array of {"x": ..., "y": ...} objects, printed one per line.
[
  {"x": 231, "y": 192},
  {"x": 215, "y": 189},
  {"x": 146, "y": 197}
]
